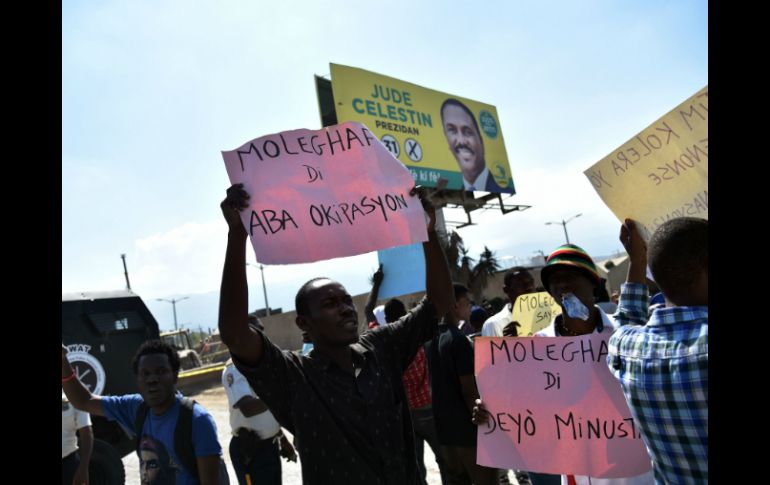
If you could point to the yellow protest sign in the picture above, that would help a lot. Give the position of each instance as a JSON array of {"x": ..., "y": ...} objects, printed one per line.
[
  {"x": 534, "y": 312},
  {"x": 436, "y": 135},
  {"x": 661, "y": 173}
]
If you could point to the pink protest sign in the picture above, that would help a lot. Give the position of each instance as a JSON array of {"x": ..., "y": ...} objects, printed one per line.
[
  {"x": 324, "y": 194},
  {"x": 555, "y": 408}
]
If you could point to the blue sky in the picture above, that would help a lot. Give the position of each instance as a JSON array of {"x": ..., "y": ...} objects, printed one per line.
[{"x": 153, "y": 91}]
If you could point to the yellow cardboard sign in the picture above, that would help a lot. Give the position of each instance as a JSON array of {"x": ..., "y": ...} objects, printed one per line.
[
  {"x": 661, "y": 173},
  {"x": 534, "y": 312},
  {"x": 407, "y": 119}
]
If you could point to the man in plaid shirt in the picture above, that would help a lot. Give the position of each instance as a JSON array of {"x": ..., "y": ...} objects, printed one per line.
[{"x": 662, "y": 364}]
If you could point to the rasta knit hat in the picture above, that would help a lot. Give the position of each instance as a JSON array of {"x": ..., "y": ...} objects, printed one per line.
[{"x": 572, "y": 256}]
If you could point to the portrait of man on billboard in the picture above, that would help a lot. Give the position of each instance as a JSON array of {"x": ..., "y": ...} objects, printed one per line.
[{"x": 462, "y": 134}]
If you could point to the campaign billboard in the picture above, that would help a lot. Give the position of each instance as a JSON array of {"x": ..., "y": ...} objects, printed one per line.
[{"x": 434, "y": 134}]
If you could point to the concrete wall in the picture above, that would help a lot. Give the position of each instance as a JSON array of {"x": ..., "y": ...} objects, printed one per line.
[{"x": 282, "y": 331}]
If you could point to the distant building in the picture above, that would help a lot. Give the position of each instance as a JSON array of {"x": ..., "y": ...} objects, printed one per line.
[
  {"x": 614, "y": 270},
  {"x": 262, "y": 312}
]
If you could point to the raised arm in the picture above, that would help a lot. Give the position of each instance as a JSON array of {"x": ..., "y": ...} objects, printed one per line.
[
  {"x": 634, "y": 300},
  {"x": 234, "y": 329},
  {"x": 76, "y": 392},
  {"x": 372, "y": 300},
  {"x": 438, "y": 282},
  {"x": 636, "y": 248}
]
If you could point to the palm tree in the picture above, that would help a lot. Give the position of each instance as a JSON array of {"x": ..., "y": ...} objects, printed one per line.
[
  {"x": 462, "y": 269},
  {"x": 465, "y": 272},
  {"x": 453, "y": 247},
  {"x": 484, "y": 269}
]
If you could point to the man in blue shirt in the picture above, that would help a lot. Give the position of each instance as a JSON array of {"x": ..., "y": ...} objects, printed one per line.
[
  {"x": 156, "y": 366},
  {"x": 662, "y": 364}
]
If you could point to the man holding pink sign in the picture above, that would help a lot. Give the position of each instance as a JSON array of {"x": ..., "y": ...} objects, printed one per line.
[{"x": 345, "y": 401}]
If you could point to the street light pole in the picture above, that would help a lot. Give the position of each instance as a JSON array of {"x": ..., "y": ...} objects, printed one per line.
[
  {"x": 564, "y": 225},
  {"x": 125, "y": 271},
  {"x": 173, "y": 302},
  {"x": 264, "y": 287}
]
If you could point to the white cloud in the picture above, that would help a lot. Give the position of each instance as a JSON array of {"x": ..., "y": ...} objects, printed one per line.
[
  {"x": 555, "y": 193},
  {"x": 188, "y": 259},
  {"x": 185, "y": 259}
]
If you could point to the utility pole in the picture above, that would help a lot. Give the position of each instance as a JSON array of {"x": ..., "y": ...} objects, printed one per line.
[
  {"x": 264, "y": 288},
  {"x": 125, "y": 271}
]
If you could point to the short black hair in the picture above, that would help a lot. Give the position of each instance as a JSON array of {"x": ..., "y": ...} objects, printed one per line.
[
  {"x": 677, "y": 252},
  {"x": 459, "y": 104},
  {"x": 514, "y": 272},
  {"x": 156, "y": 347},
  {"x": 460, "y": 290},
  {"x": 394, "y": 309},
  {"x": 300, "y": 301},
  {"x": 478, "y": 316}
]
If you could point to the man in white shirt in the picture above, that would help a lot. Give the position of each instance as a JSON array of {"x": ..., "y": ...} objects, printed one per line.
[
  {"x": 517, "y": 281},
  {"x": 257, "y": 442}
]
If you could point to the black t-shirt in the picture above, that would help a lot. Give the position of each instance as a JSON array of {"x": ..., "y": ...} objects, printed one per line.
[{"x": 450, "y": 355}]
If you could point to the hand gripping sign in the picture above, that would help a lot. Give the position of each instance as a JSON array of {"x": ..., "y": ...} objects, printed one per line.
[
  {"x": 324, "y": 194},
  {"x": 555, "y": 408}
]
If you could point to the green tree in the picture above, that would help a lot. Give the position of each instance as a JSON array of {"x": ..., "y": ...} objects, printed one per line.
[{"x": 462, "y": 268}]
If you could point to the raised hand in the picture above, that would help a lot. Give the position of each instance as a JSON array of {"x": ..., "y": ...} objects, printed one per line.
[
  {"x": 633, "y": 242},
  {"x": 378, "y": 275},
  {"x": 236, "y": 200}
]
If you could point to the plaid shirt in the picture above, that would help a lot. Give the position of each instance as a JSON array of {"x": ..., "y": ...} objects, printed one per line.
[
  {"x": 416, "y": 382},
  {"x": 663, "y": 370}
]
